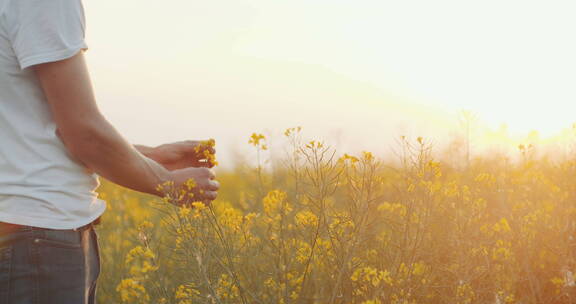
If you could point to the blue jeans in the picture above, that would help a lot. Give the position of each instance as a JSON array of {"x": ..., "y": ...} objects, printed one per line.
[{"x": 47, "y": 266}]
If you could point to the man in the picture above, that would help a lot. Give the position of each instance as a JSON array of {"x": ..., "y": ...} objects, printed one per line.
[{"x": 53, "y": 143}]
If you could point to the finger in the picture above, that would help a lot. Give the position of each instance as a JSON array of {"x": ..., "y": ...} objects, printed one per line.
[
  {"x": 213, "y": 185},
  {"x": 209, "y": 185},
  {"x": 210, "y": 195},
  {"x": 210, "y": 173}
]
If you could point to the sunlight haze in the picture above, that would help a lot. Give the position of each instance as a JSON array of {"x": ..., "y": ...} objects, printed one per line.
[{"x": 358, "y": 73}]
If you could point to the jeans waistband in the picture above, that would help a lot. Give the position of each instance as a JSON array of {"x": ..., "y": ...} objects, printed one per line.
[{"x": 12, "y": 227}]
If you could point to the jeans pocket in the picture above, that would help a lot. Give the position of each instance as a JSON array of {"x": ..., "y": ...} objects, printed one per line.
[
  {"x": 60, "y": 252},
  {"x": 60, "y": 238},
  {"x": 58, "y": 257}
]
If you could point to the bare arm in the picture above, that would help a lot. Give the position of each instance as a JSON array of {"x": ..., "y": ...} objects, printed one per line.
[{"x": 94, "y": 141}]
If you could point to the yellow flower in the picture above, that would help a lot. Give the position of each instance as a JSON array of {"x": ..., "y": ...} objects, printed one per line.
[
  {"x": 185, "y": 293},
  {"x": 418, "y": 268},
  {"x": 132, "y": 291},
  {"x": 256, "y": 138},
  {"x": 347, "y": 157},
  {"x": 198, "y": 206},
  {"x": 501, "y": 226},
  {"x": 367, "y": 155},
  {"x": 306, "y": 218},
  {"x": 273, "y": 201},
  {"x": 190, "y": 184},
  {"x": 184, "y": 211},
  {"x": 145, "y": 225}
]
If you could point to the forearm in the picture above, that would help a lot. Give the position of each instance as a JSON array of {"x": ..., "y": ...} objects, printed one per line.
[{"x": 102, "y": 149}]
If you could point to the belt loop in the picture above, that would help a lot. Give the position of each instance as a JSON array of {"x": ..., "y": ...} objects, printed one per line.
[
  {"x": 91, "y": 224},
  {"x": 82, "y": 228}
]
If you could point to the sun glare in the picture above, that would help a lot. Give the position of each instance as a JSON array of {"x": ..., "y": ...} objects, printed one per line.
[{"x": 441, "y": 55}]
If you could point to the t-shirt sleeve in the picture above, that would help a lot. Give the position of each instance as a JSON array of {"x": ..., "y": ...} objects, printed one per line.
[{"x": 45, "y": 30}]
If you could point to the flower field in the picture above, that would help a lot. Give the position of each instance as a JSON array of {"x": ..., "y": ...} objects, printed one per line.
[{"x": 323, "y": 226}]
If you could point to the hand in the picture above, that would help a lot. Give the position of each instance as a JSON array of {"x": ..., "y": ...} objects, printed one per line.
[
  {"x": 204, "y": 188},
  {"x": 183, "y": 154}
]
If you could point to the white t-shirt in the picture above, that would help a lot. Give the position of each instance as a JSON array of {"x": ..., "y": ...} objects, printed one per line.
[{"x": 41, "y": 184}]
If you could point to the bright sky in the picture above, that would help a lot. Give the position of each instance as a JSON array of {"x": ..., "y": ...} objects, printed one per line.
[{"x": 358, "y": 73}]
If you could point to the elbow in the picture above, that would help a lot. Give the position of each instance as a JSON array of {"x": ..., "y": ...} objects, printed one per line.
[{"x": 83, "y": 140}]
